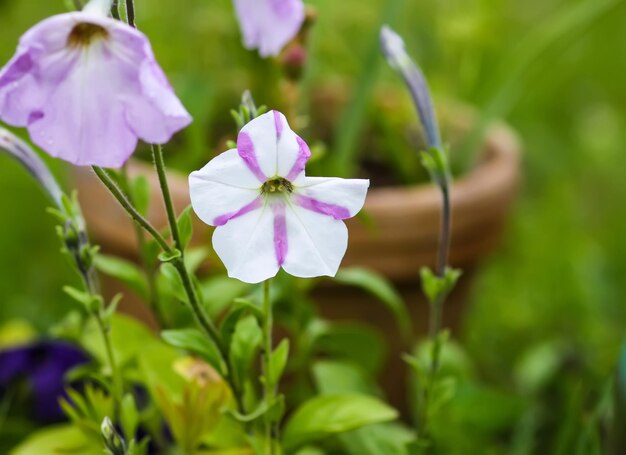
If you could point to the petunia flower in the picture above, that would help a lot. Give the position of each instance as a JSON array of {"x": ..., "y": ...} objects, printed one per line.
[
  {"x": 87, "y": 87},
  {"x": 268, "y": 25},
  {"x": 268, "y": 213},
  {"x": 42, "y": 365}
]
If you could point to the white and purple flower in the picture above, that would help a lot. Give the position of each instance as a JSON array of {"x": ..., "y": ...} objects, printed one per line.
[
  {"x": 268, "y": 213},
  {"x": 87, "y": 87},
  {"x": 268, "y": 25}
]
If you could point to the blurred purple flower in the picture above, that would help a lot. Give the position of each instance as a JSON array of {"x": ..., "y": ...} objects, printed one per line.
[
  {"x": 42, "y": 366},
  {"x": 268, "y": 25},
  {"x": 87, "y": 87}
]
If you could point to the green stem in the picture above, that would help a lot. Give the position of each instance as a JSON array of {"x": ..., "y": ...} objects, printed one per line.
[
  {"x": 146, "y": 261},
  {"x": 92, "y": 287},
  {"x": 269, "y": 389},
  {"x": 203, "y": 319},
  {"x": 436, "y": 309},
  {"x": 130, "y": 209},
  {"x": 118, "y": 385},
  {"x": 159, "y": 164}
]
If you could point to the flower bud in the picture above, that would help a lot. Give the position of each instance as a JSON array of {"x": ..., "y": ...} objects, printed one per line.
[
  {"x": 394, "y": 51},
  {"x": 22, "y": 152},
  {"x": 112, "y": 440}
]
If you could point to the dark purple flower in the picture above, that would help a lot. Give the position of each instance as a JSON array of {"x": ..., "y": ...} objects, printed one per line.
[{"x": 42, "y": 366}]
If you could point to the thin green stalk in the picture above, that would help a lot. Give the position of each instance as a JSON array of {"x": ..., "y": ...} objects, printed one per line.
[
  {"x": 268, "y": 388},
  {"x": 442, "y": 263},
  {"x": 130, "y": 209},
  {"x": 159, "y": 164},
  {"x": 91, "y": 285},
  {"x": 203, "y": 319},
  {"x": 153, "y": 297},
  {"x": 436, "y": 308},
  {"x": 118, "y": 385}
]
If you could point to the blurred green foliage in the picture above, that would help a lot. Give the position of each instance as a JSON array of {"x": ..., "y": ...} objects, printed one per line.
[{"x": 547, "y": 316}]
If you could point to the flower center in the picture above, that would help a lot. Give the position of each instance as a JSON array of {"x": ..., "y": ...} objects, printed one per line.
[
  {"x": 85, "y": 33},
  {"x": 277, "y": 185}
]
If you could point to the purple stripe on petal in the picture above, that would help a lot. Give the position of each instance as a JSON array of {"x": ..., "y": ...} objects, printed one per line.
[
  {"x": 223, "y": 219},
  {"x": 279, "y": 124},
  {"x": 280, "y": 233},
  {"x": 336, "y": 211},
  {"x": 245, "y": 147},
  {"x": 303, "y": 156}
]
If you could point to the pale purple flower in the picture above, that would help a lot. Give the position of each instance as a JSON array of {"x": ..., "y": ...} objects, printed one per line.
[
  {"x": 87, "y": 87},
  {"x": 268, "y": 25},
  {"x": 267, "y": 212}
]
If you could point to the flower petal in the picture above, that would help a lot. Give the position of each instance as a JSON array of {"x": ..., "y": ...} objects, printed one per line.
[
  {"x": 155, "y": 113},
  {"x": 268, "y": 25},
  {"x": 257, "y": 145},
  {"x": 316, "y": 243},
  {"x": 292, "y": 152},
  {"x": 270, "y": 148},
  {"x": 22, "y": 91},
  {"x": 80, "y": 122},
  {"x": 246, "y": 246},
  {"x": 223, "y": 189},
  {"x": 153, "y": 110},
  {"x": 19, "y": 92},
  {"x": 319, "y": 194},
  {"x": 281, "y": 243}
]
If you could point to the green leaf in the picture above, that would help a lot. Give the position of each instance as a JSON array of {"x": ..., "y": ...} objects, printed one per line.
[
  {"x": 170, "y": 256},
  {"x": 129, "y": 338},
  {"x": 357, "y": 343},
  {"x": 170, "y": 282},
  {"x": 90, "y": 302},
  {"x": 228, "y": 326},
  {"x": 244, "y": 345},
  {"x": 249, "y": 305},
  {"x": 277, "y": 408},
  {"x": 453, "y": 359},
  {"x": 279, "y": 361},
  {"x": 129, "y": 417},
  {"x": 442, "y": 392},
  {"x": 538, "y": 366},
  {"x": 382, "y": 289},
  {"x": 195, "y": 341},
  {"x": 125, "y": 271},
  {"x": 194, "y": 257},
  {"x": 310, "y": 450},
  {"x": 325, "y": 415},
  {"x": 220, "y": 291},
  {"x": 185, "y": 227},
  {"x": 58, "y": 439},
  {"x": 140, "y": 192},
  {"x": 435, "y": 287},
  {"x": 111, "y": 308},
  {"x": 334, "y": 377},
  {"x": 383, "y": 438}
]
